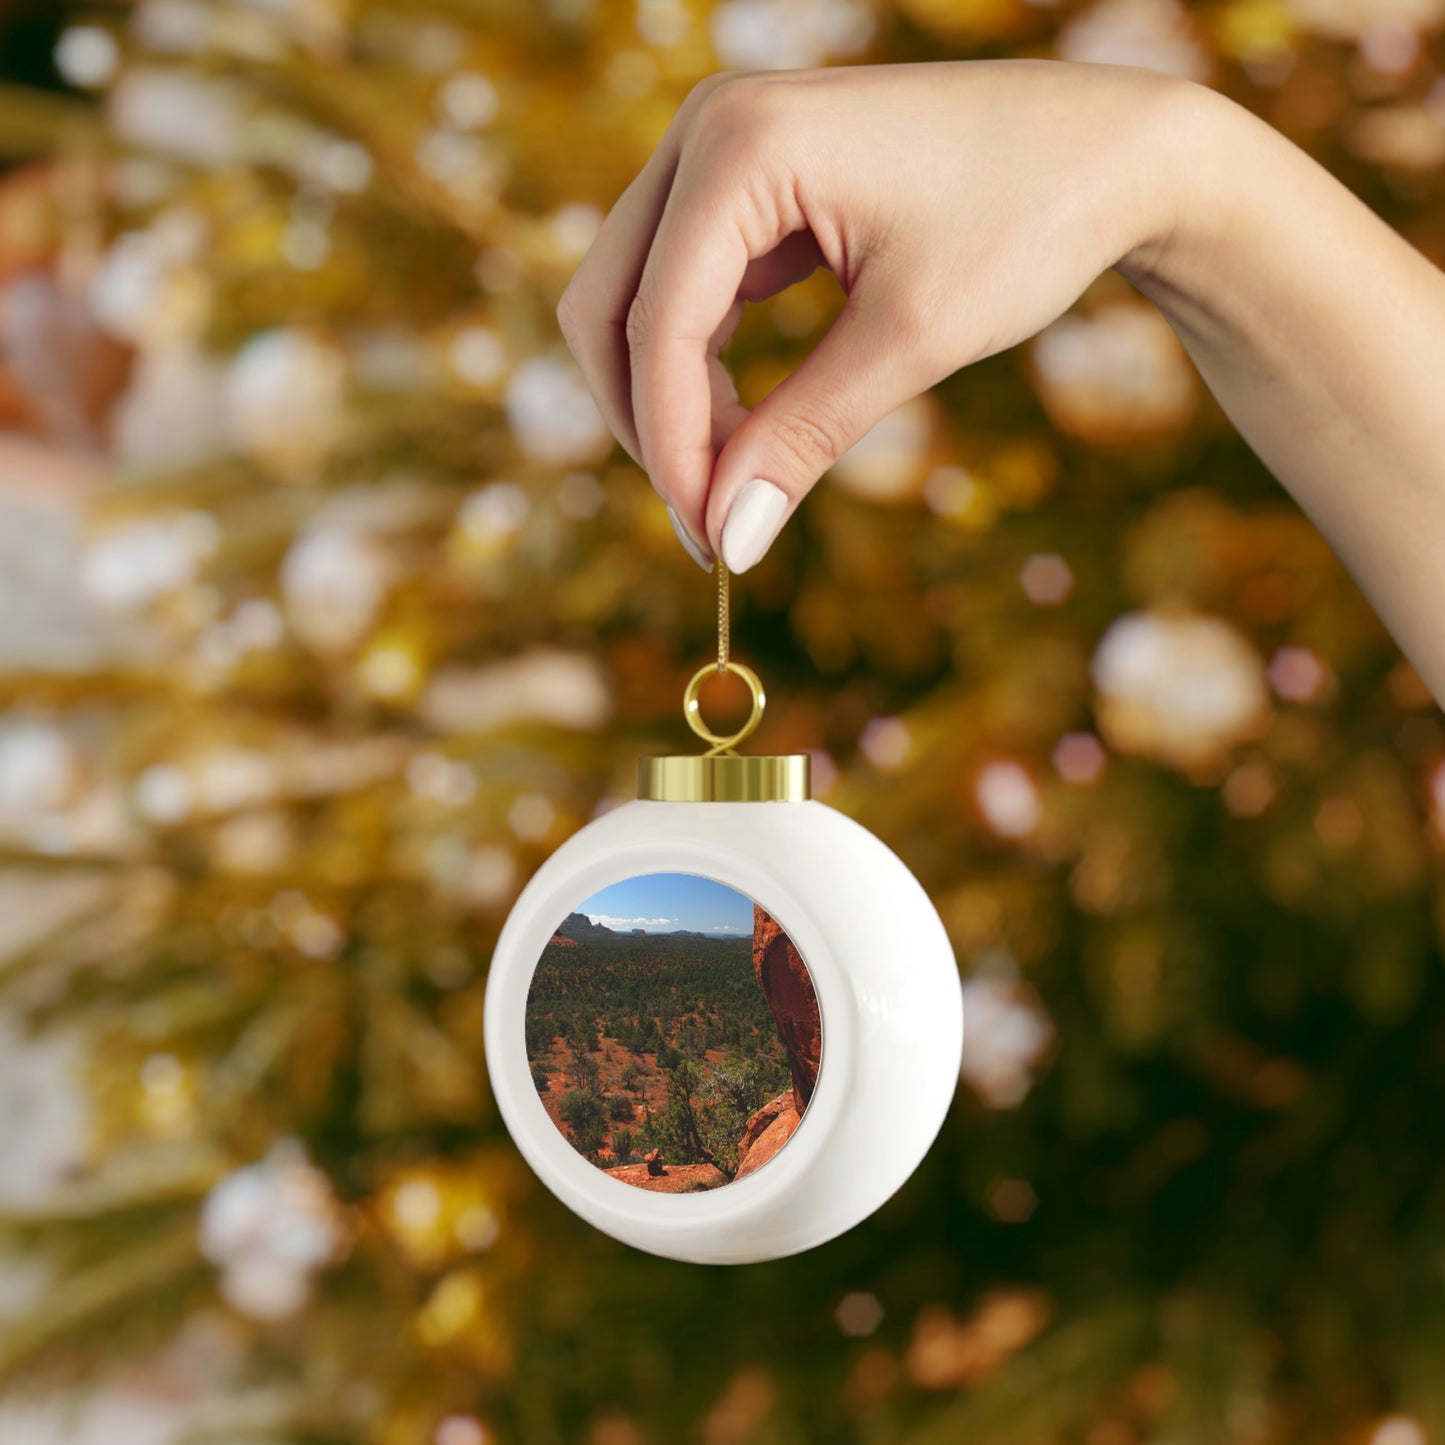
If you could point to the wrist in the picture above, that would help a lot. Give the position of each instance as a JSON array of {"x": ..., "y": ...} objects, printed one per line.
[
  {"x": 1222, "y": 254},
  {"x": 1192, "y": 137}
]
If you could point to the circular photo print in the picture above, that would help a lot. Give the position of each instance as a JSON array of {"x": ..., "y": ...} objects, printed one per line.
[{"x": 673, "y": 1033}]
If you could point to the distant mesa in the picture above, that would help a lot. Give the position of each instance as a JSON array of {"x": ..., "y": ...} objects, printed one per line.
[
  {"x": 581, "y": 929},
  {"x": 578, "y": 928}
]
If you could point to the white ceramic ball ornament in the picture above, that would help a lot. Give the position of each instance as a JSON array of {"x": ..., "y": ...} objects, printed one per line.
[{"x": 889, "y": 1001}]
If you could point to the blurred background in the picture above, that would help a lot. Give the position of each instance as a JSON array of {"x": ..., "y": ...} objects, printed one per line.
[{"x": 328, "y": 610}]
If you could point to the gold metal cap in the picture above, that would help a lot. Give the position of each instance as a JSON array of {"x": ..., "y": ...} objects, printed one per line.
[{"x": 726, "y": 778}]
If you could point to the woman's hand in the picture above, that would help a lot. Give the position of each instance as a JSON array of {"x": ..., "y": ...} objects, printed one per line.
[{"x": 963, "y": 207}]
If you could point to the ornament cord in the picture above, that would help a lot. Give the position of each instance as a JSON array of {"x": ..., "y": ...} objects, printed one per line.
[
  {"x": 690, "y": 708},
  {"x": 724, "y": 625}
]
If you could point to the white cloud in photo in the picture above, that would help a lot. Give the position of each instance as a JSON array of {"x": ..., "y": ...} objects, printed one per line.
[{"x": 610, "y": 920}]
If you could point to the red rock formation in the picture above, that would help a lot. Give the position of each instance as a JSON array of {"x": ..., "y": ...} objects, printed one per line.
[
  {"x": 674, "y": 1178},
  {"x": 783, "y": 978},
  {"x": 766, "y": 1132},
  {"x": 557, "y": 941},
  {"x": 653, "y": 1160}
]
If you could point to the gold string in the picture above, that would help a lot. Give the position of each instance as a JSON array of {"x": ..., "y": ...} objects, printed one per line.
[
  {"x": 724, "y": 627},
  {"x": 722, "y": 744}
]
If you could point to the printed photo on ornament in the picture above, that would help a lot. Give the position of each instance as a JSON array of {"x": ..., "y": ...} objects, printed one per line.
[{"x": 673, "y": 1033}]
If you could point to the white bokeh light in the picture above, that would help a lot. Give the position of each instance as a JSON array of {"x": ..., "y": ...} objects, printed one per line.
[
  {"x": 87, "y": 56},
  {"x": 269, "y": 1227},
  {"x": 1006, "y": 1040},
  {"x": 286, "y": 397},
  {"x": 1008, "y": 799},
  {"x": 788, "y": 34},
  {"x": 333, "y": 583},
  {"x": 552, "y": 414},
  {"x": 1183, "y": 688},
  {"x": 1151, "y": 34}
]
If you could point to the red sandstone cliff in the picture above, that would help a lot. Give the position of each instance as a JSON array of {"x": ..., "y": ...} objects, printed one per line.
[
  {"x": 783, "y": 978},
  {"x": 766, "y": 1132}
]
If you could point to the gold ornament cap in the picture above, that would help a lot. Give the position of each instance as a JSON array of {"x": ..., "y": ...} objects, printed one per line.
[{"x": 725, "y": 778}]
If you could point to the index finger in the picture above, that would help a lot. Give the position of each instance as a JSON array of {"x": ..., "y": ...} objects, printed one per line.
[
  {"x": 593, "y": 310},
  {"x": 708, "y": 234}
]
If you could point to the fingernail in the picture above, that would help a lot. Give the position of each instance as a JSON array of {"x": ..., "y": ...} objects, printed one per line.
[
  {"x": 753, "y": 520},
  {"x": 690, "y": 544}
]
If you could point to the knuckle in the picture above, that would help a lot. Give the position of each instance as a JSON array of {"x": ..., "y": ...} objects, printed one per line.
[
  {"x": 641, "y": 319},
  {"x": 736, "y": 116},
  {"x": 707, "y": 86},
  {"x": 813, "y": 439},
  {"x": 569, "y": 317}
]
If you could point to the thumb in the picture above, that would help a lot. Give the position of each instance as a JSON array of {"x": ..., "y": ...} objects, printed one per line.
[{"x": 868, "y": 363}]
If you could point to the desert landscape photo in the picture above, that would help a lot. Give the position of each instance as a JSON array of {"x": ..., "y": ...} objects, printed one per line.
[{"x": 673, "y": 1033}]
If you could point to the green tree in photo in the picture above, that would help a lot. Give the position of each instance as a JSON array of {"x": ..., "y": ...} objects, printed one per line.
[
  {"x": 586, "y": 1074},
  {"x": 585, "y": 1116},
  {"x": 539, "y": 1035},
  {"x": 683, "y": 1129},
  {"x": 735, "y": 1089}
]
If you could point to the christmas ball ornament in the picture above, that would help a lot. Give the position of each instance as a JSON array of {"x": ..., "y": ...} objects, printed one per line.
[{"x": 723, "y": 1021}]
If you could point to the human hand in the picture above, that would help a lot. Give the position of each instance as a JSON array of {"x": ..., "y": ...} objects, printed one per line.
[{"x": 962, "y": 206}]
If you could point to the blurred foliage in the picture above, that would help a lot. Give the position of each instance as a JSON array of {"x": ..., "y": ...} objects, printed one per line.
[{"x": 388, "y": 619}]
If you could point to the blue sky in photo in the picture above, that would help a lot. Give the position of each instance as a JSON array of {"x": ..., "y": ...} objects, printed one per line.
[{"x": 667, "y": 902}]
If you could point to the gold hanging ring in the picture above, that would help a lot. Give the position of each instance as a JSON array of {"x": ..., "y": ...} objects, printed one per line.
[{"x": 693, "y": 712}]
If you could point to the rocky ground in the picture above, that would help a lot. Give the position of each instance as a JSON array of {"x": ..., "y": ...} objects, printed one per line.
[
  {"x": 671, "y": 1178},
  {"x": 613, "y": 1059}
]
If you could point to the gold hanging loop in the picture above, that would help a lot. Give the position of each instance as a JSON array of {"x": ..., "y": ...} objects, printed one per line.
[
  {"x": 690, "y": 706},
  {"x": 693, "y": 712}
]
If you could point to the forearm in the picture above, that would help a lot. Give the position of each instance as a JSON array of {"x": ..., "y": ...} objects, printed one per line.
[{"x": 1322, "y": 333}]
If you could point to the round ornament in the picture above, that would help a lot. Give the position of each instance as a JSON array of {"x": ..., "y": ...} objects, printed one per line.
[{"x": 723, "y": 1021}]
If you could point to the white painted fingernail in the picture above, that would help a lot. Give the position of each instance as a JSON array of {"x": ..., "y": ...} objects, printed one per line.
[
  {"x": 753, "y": 520},
  {"x": 690, "y": 544}
]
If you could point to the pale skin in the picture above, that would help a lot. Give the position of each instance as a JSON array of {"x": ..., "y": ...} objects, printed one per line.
[{"x": 963, "y": 207}]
